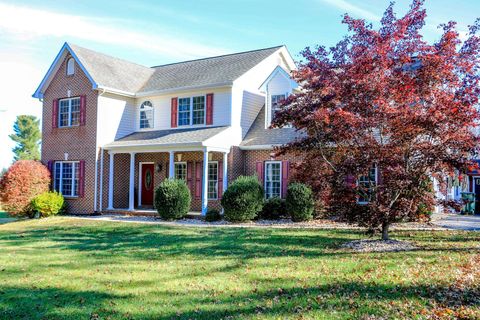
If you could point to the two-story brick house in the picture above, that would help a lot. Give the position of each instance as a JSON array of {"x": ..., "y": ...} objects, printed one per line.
[{"x": 113, "y": 130}]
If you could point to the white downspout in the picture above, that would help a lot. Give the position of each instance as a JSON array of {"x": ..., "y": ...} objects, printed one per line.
[{"x": 95, "y": 189}]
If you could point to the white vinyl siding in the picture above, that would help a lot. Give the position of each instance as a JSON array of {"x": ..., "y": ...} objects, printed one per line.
[
  {"x": 69, "y": 112},
  {"x": 66, "y": 175},
  {"x": 273, "y": 179}
]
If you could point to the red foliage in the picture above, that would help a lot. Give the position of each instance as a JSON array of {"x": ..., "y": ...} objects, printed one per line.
[
  {"x": 389, "y": 99},
  {"x": 24, "y": 180}
]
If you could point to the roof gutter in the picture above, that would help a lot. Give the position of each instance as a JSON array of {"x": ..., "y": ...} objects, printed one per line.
[
  {"x": 260, "y": 147},
  {"x": 172, "y": 90}
]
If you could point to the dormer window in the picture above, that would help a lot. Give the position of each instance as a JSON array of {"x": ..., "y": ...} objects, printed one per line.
[
  {"x": 70, "y": 67},
  {"x": 277, "y": 101},
  {"x": 146, "y": 115}
]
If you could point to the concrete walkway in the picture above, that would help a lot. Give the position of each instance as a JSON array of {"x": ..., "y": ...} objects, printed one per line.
[{"x": 458, "y": 222}]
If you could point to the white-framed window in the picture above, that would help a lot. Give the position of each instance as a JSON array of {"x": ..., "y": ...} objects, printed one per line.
[
  {"x": 70, "y": 67},
  {"x": 276, "y": 102},
  {"x": 273, "y": 179},
  {"x": 191, "y": 111},
  {"x": 212, "y": 180},
  {"x": 180, "y": 170},
  {"x": 69, "y": 112},
  {"x": 66, "y": 177},
  {"x": 146, "y": 115},
  {"x": 366, "y": 184}
]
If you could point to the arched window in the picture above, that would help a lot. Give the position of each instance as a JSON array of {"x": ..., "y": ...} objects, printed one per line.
[
  {"x": 146, "y": 115},
  {"x": 70, "y": 66}
]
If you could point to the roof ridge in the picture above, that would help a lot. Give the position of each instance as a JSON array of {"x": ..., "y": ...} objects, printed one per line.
[
  {"x": 220, "y": 56},
  {"x": 107, "y": 55}
]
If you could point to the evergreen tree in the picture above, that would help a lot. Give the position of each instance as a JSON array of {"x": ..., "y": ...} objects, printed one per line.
[{"x": 27, "y": 136}]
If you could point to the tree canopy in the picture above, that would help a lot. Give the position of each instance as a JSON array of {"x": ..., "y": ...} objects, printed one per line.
[
  {"x": 27, "y": 137},
  {"x": 383, "y": 111}
]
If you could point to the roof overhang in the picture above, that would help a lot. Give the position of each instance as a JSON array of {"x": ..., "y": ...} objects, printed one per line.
[
  {"x": 181, "y": 89},
  {"x": 66, "y": 49},
  {"x": 260, "y": 147}
]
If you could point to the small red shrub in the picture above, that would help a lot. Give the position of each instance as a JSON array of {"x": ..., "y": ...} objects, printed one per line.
[{"x": 24, "y": 180}]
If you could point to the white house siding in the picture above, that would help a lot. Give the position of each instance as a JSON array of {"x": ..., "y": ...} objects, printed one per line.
[
  {"x": 278, "y": 84},
  {"x": 115, "y": 118},
  {"x": 222, "y": 101},
  {"x": 252, "y": 103}
]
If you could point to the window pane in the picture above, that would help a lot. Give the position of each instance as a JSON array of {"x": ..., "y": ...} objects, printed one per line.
[
  {"x": 146, "y": 115},
  {"x": 76, "y": 178},
  {"x": 63, "y": 113},
  {"x": 75, "y": 111},
  {"x": 276, "y": 102},
  {"x": 198, "y": 110},
  {"x": 184, "y": 111},
  {"x": 272, "y": 179},
  {"x": 67, "y": 179},
  {"x": 181, "y": 171},
  {"x": 212, "y": 180}
]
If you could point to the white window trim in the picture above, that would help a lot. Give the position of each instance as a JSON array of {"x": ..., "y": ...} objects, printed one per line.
[
  {"x": 190, "y": 120},
  {"x": 376, "y": 181},
  {"x": 265, "y": 176},
  {"x": 208, "y": 180},
  {"x": 71, "y": 59},
  {"x": 74, "y": 165},
  {"x": 140, "y": 116},
  {"x": 69, "y": 112},
  {"x": 186, "y": 169},
  {"x": 270, "y": 109}
]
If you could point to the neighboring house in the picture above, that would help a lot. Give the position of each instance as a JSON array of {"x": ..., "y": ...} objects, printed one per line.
[{"x": 113, "y": 129}]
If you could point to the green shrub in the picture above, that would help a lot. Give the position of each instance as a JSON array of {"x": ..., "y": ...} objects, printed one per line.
[
  {"x": 243, "y": 199},
  {"x": 172, "y": 199},
  {"x": 273, "y": 209},
  {"x": 48, "y": 204},
  {"x": 213, "y": 215},
  {"x": 300, "y": 202}
]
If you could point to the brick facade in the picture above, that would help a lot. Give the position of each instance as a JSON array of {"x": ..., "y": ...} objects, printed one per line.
[{"x": 78, "y": 142}]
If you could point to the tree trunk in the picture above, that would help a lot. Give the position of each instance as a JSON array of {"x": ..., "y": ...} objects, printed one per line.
[{"x": 385, "y": 227}]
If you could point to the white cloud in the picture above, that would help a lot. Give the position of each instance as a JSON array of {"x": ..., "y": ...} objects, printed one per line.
[
  {"x": 352, "y": 9},
  {"x": 29, "y": 24}
]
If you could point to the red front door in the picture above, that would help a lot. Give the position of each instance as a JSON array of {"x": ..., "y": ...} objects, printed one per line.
[{"x": 147, "y": 184}]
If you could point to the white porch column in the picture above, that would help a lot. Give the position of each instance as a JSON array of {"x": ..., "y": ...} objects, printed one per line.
[
  {"x": 171, "y": 166},
  {"x": 225, "y": 171},
  {"x": 110, "y": 182},
  {"x": 205, "y": 182},
  {"x": 131, "y": 204}
]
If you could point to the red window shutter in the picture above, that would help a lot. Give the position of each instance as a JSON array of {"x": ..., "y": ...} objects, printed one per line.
[
  {"x": 198, "y": 179},
  {"x": 81, "y": 179},
  {"x": 190, "y": 176},
  {"x": 209, "y": 108},
  {"x": 285, "y": 177},
  {"x": 173, "y": 117},
  {"x": 260, "y": 174},
  {"x": 55, "y": 114},
  {"x": 350, "y": 181},
  {"x": 83, "y": 109},
  {"x": 220, "y": 180},
  {"x": 50, "y": 165}
]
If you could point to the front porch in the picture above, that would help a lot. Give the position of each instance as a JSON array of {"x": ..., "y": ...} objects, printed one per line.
[{"x": 130, "y": 177}]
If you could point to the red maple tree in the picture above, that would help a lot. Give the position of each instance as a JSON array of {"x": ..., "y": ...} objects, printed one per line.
[{"x": 383, "y": 112}]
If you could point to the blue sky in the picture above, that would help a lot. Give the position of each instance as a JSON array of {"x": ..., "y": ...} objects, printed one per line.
[{"x": 158, "y": 32}]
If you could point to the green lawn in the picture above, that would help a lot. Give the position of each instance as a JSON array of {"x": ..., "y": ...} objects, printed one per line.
[{"x": 65, "y": 268}]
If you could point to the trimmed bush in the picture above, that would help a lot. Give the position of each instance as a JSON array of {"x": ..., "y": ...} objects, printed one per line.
[
  {"x": 172, "y": 199},
  {"x": 213, "y": 215},
  {"x": 273, "y": 209},
  {"x": 243, "y": 199},
  {"x": 22, "y": 182},
  {"x": 300, "y": 202},
  {"x": 48, "y": 204}
]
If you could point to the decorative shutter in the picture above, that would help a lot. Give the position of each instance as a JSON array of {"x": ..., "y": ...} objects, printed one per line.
[
  {"x": 190, "y": 176},
  {"x": 220, "y": 179},
  {"x": 285, "y": 177},
  {"x": 209, "y": 108},
  {"x": 81, "y": 179},
  {"x": 50, "y": 165},
  {"x": 260, "y": 174},
  {"x": 198, "y": 179},
  {"x": 350, "y": 181},
  {"x": 55, "y": 114},
  {"x": 83, "y": 109},
  {"x": 173, "y": 117}
]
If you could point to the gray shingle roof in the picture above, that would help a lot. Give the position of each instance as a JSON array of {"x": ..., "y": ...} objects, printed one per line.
[
  {"x": 205, "y": 72},
  {"x": 113, "y": 72},
  {"x": 257, "y": 135},
  {"x": 167, "y": 137}
]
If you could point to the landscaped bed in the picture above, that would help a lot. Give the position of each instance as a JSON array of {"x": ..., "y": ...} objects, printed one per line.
[{"x": 69, "y": 268}]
